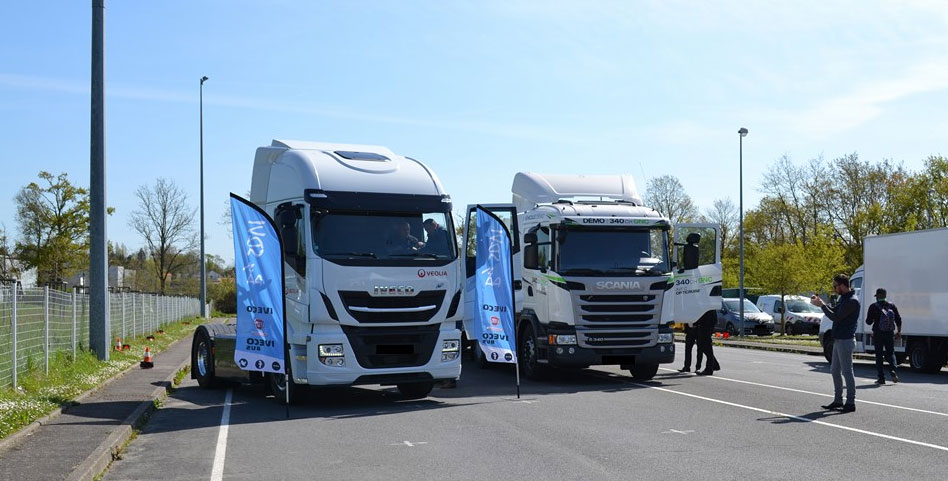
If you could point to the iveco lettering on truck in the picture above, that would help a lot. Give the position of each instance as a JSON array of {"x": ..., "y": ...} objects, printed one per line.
[
  {"x": 372, "y": 279},
  {"x": 594, "y": 279}
]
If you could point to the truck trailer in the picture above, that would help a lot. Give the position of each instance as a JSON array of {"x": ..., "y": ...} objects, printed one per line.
[
  {"x": 908, "y": 266},
  {"x": 372, "y": 285},
  {"x": 596, "y": 274}
]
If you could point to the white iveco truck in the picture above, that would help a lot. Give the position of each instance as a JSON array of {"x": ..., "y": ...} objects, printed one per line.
[
  {"x": 595, "y": 279},
  {"x": 372, "y": 275}
]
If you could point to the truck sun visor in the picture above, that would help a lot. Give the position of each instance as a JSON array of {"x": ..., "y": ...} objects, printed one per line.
[{"x": 377, "y": 202}]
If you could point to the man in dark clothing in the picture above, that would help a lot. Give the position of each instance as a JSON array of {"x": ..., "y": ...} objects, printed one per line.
[
  {"x": 885, "y": 320},
  {"x": 705, "y": 329},
  {"x": 844, "y": 316},
  {"x": 691, "y": 338},
  {"x": 439, "y": 241}
]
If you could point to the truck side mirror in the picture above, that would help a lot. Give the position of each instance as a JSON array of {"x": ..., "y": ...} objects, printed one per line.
[
  {"x": 530, "y": 238},
  {"x": 531, "y": 255}
]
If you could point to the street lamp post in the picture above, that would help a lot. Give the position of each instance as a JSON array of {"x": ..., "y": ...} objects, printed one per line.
[
  {"x": 743, "y": 133},
  {"x": 203, "y": 260}
]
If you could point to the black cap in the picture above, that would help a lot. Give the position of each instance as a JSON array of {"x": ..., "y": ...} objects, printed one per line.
[{"x": 880, "y": 293}]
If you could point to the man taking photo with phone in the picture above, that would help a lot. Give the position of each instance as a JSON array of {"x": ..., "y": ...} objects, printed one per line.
[{"x": 844, "y": 316}]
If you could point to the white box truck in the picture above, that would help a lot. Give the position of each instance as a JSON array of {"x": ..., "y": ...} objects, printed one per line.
[
  {"x": 909, "y": 267},
  {"x": 594, "y": 277},
  {"x": 372, "y": 275}
]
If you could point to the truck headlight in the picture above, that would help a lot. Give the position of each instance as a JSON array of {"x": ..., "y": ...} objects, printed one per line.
[
  {"x": 451, "y": 345},
  {"x": 330, "y": 350},
  {"x": 562, "y": 339},
  {"x": 665, "y": 338}
]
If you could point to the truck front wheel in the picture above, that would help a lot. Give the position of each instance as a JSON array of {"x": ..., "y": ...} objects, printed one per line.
[
  {"x": 278, "y": 386},
  {"x": 529, "y": 354},
  {"x": 643, "y": 372},
  {"x": 415, "y": 390},
  {"x": 923, "y": 359}
]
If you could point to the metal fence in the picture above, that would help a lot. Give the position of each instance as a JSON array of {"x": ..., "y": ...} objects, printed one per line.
[{"x": 37, "y": 322}]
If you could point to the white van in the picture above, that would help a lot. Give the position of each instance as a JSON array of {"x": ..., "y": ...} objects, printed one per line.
[{"x": 800, "y": 316}]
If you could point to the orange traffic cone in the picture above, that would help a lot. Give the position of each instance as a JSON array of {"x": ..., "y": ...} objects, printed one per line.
[
  {"x": 118, "y": 343},
  {"x": 146, "y": 363}
]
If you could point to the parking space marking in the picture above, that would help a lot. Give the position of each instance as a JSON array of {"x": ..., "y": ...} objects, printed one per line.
[
  {"x": 771, "y": 386},
  {"x": 675, "y": 431},
  {"x": 217, "y": 472},
  {"x": 791, "y": 416},
  {"x": 409, "y": 443}
]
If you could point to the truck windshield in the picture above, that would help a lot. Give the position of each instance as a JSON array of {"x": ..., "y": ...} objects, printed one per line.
[
  {"x": 395, "y": 236},
  {"x": 612, "y": 252}
]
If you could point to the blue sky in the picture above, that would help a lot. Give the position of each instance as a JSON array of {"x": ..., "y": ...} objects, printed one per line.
[{"x": 477, "y": 90}]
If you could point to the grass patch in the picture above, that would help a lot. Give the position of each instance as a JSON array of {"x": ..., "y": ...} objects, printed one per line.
[{"x": 39, "y": 394}]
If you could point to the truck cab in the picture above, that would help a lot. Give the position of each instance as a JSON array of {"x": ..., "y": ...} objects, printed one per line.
[
  {"x": 372, "y": 282},
  {"x": 595, "y": 274}
]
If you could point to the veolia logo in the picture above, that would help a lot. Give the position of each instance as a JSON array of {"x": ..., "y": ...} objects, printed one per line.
[
  {"x": 423, "y": 273},
  {"x": 627, "y": 285}
]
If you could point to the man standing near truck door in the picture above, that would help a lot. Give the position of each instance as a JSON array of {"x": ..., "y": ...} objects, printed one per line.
[
  {"x": 845, "y": 316},
  {"x": 886, "y": 324},
  {"x": 691, "y": 338}
]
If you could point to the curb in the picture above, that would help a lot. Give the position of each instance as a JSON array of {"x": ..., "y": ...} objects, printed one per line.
[
  {"x": 809, "y": 351},
  {"x": 102, "y": 457},
  {"x": 13, "y": 439}
]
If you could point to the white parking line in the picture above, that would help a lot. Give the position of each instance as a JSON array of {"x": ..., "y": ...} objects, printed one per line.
[
  {"x": 796, "y": 418},
  {"x": 217, "y": 472},
  {"x": 771, "y": 386}
]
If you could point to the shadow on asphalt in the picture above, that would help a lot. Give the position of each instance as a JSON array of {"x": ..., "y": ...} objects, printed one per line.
[
  {"x": 191, "y": 407},
  {"x": 867, "y": 370},
  {"x": 813, "y": 416}
]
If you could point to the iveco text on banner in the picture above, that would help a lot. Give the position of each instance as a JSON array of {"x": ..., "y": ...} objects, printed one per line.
[
  {"x": 494, "y": 289},
  {"x": 258, "y": 262}
]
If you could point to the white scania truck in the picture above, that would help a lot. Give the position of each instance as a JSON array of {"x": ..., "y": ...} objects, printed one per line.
[
  {"x": 372, "y": 274},
  {"x": 594, "y": 277},
  {"x": 909, "y": 266}
]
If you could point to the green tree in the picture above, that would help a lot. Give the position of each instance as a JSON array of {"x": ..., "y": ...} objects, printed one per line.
[{"x": 54, "y": 227}]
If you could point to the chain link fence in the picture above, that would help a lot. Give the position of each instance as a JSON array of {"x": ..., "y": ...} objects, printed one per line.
[{"x": 37, "y": 322}]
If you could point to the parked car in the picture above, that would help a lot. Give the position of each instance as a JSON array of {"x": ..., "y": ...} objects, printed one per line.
[
  {"x": 800, "y": 316},
  {"x": 755, "y": 321}
]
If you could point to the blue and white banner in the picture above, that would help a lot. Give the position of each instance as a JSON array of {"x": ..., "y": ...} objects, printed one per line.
[
  {"x": 493, "y": 290},
  {"x": 258, "y": 262}
]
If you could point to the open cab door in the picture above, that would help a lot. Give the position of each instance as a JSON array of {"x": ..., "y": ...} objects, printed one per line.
[
  {"x": 697, "y": 275},
  {"x": 508, "y": 214}
]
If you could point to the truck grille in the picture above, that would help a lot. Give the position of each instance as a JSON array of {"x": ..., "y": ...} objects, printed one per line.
[
  {"x": 386, "y": 347},
  {"x": 617, "y": 320},
  {"x": 364, "y": 307}
]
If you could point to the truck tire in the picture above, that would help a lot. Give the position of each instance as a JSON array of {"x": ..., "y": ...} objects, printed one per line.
[
  {"x": 923, "y": 359},
  {"x": 788, "y": 330},
  {"x": 277, "y": 384},
  {"x": 415, "y": 390},
  {"x": 479, "y": 358},
  {"x": 528, "y": 354},
  {"x": 900, "y": 358},
  {"x": 828, "y": 347},
  {"x": 202, "y": 360},
  {"x": 643, "y": 372}
]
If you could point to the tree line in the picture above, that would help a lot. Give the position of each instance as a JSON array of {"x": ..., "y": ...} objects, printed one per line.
[
  {"x": 814, "y": 216},
  {"x": 52, "y": 215}
]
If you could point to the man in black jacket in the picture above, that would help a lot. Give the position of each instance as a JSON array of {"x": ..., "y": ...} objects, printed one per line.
[
  {"x": 705, "y": 329},
  {"x": 885, "y": 320},
  {"x": 691, "y": 338},
  {"x": 844, "y": 316}
]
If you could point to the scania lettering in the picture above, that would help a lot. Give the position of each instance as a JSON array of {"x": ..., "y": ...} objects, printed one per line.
[
  {"x": 597, "y": 275},
  {"x": 371, "y": 272}
]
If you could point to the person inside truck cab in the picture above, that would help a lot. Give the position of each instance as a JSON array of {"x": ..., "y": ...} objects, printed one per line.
[
  {"x": 438, "y": 239},
  {"x": 401, "y": 241}
]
